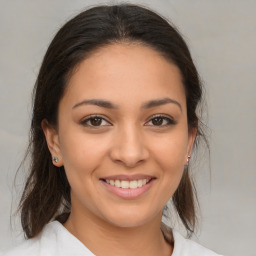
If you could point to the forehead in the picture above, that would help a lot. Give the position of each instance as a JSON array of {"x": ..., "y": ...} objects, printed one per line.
[{"x": 126, "y": 72}]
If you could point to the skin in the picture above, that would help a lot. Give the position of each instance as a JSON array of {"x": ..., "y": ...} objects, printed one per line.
[{"x": 126, "y": 142}]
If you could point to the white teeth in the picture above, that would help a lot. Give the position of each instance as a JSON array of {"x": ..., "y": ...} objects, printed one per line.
[
  {"x": 118, "y": 183},
  {"x": 133, "y": 184},
  {"x": 125, "y": 184},
  {"x": 128, "y": 184}
]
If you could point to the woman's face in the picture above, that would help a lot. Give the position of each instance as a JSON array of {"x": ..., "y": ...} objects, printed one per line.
[{"x": 122, "y": 135}]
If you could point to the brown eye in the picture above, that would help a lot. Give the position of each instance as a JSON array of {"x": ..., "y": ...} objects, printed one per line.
[
  {"x": 161, "y": 121},
  {"x": 96, "y": 121},
  {"x": 157, "y": 121}
]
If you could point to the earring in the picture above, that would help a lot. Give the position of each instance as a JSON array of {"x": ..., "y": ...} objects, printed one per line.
[
  {"x": 55, "y": 159},
  {"x": 188, "y": 159}
]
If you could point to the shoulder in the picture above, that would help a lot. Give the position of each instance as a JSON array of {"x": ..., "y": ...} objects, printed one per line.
[
  {"x": 52, "y": 241},
  {"x": 187, "y": 247}
]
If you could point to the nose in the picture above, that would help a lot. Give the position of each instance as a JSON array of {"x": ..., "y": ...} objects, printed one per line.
[{"x": 129, "y": 147}]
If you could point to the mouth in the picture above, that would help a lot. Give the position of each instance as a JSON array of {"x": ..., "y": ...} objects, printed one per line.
[
  {"x": 128, "y": 187},
  {"x": 126, "y": 184}
]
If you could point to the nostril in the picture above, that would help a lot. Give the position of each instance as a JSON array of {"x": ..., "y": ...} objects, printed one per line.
[
  {"x": 128, "y": 148},
  {"x": 128, "y": 159}
]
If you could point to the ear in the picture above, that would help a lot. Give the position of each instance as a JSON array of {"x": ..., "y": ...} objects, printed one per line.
[
  {"x": 191, "y": 140},
  {"x": 52, "y": 139}
]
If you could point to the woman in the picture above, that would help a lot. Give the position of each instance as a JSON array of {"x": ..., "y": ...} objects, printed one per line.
[{"x": 113, "y": 129}]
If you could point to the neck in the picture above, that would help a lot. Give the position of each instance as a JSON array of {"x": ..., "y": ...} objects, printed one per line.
[{"x": 140, "y": 240}]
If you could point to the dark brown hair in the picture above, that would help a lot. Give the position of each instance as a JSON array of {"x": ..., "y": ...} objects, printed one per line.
[{"x": 46, "y": 195}]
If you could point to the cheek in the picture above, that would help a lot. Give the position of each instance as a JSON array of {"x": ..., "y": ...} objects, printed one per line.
[
  {"x": 81, "y": 157},
  {"x": 171, "y": 150},
  {"x": 169, "y": 156},
  {"x": 82, "y": 153}
]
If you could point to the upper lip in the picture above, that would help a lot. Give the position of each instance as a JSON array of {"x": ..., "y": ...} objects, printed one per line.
[{"x": 128, "y": 177}]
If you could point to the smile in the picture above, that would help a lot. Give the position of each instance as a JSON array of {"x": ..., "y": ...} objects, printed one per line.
[
  {"x": 125, "y": 184},
  {"x": 128, "y": 187}
]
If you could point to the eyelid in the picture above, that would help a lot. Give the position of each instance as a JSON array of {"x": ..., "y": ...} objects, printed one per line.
[
  {"x": 169, "y": 118},
  {"x": 87, "y": 118}
]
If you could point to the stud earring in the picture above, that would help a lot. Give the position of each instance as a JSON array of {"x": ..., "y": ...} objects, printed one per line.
[
  {"x": 188, "y": 159},
  {"x": 55, "y": 159}
]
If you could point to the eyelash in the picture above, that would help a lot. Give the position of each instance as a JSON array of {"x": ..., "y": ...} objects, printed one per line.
[
  {"x": 169, "y": 121},
  {"x": 90, "y": 118}
]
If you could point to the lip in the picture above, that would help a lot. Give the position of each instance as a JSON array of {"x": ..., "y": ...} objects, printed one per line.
[
  {"x": 128, "y": 177},
  {"x": 128, "y": 193}
]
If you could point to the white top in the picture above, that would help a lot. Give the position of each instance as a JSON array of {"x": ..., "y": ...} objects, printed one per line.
[{"x": 56, "y": 240}]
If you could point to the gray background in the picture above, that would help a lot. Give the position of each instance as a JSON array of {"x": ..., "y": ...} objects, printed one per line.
[{"x": 222, "y": 38}]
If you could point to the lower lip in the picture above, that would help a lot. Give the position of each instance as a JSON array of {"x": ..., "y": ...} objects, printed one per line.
[{"x": 128, "y": 193}]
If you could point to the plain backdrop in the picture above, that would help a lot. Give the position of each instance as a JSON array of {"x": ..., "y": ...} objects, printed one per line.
[{"x": 222, "y": 37}]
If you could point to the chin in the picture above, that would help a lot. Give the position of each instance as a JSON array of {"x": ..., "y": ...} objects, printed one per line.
[{"x": 130, "y": 219}]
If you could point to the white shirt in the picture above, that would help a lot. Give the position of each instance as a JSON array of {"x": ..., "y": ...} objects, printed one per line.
[{"x": 56, "y": 240}]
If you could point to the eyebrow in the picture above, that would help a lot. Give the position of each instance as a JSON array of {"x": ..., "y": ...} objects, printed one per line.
[
  {"x": 96, "y": 102},
  {"x": 159, "y": 102},
  {"x": 146, "y": 105}
]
